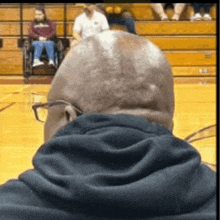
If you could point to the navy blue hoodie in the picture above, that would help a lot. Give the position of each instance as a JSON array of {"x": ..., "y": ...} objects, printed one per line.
[{"x": 103, "y": 167}]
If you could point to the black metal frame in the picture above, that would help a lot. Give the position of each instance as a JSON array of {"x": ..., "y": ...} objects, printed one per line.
[
  {"x": 1, "y": 43},
  {"x": 49, "y": 104},
  {"x": 21, "y": 40}
]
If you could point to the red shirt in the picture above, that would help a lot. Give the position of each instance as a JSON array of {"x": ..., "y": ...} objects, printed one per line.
[{"x": 42, "y": 29}]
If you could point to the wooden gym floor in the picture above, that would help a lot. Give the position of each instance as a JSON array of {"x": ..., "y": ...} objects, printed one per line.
[{"x": 21, "y": 135}]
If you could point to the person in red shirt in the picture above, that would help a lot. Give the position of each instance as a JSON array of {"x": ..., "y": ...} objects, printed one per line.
[{"x": 42, "y": 31}]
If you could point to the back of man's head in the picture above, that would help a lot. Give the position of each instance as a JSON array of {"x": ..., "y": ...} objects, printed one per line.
[{"x": 117, "y": 73}]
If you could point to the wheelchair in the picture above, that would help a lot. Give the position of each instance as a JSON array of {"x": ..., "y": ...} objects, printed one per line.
[{"x": 28, "y": 56}]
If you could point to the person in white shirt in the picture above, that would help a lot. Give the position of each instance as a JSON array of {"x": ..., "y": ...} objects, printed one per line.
[{"x": 89, "y": 23}]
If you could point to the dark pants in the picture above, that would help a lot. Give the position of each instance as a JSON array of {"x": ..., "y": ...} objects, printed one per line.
[
  {"x": 128, "y": 22},
  {"x": 168, "y": 5},
  {"x": 198, "y": 6}
]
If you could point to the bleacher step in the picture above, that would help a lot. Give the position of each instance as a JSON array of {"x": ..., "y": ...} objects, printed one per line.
[
  {"x": 176, "y": 28},
  {"x": 142, "y": 28},
  {"x": 141, "y": 11},
  {"x": 163, "y": 42}
]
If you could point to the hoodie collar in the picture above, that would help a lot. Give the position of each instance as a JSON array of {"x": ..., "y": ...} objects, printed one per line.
[{"x": 89, "y": 122}]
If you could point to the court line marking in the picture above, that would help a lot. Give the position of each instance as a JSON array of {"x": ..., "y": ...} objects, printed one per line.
[
  {"x": 7, "y": 106},
  {"x": 16, "y": 92}
]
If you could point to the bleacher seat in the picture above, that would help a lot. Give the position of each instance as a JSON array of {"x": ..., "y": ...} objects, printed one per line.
[{"x": 189, "y": 46}]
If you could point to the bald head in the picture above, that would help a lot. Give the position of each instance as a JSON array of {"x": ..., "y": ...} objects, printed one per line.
[{"x": 117, "y": 73}]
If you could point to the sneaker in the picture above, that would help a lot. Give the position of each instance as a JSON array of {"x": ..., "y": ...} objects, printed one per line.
[
  {"x": 37, "y": 63},
  {"x": 51, "y": 63},
  {"x": 175, "y": 17},
  {"x": 197, "y": 17},
  {"x": 207, "y": 17},
  {"x": 164, "y": 17}
]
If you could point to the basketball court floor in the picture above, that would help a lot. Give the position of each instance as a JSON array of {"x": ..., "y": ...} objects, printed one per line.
[{"x": 21, "y": 135}]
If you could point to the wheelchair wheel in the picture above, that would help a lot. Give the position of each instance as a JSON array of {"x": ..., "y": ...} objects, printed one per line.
[
  {"x": 62, "y": 44},
  {"x": 61, "y": 56},
  {"x": 26, "y": 62}
]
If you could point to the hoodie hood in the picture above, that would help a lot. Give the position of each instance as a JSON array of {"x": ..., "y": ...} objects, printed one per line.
[{"x": 120, "y": 167}]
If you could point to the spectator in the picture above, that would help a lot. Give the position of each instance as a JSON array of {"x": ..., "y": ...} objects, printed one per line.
[
  {"x": 197, "y": 8},
  {"x": 42, "y": 31},
  {"x": 119, "y": 159},
  {"x": 89, "y": 23},
  {"x": 118, "y": 16},
  {"x": 159, "y": 9}
]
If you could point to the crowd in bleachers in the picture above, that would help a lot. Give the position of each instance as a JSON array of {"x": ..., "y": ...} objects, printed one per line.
[
  {"x": 160, "y": 9},
  {"x": 97, "y": 18},
  {"x": 42, "y": 31}
]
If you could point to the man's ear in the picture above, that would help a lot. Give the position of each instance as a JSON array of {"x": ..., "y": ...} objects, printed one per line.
[{"x": 70, "y": 113}]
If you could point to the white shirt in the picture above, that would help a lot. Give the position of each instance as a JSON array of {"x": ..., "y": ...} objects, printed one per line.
[{"x": 88, "y": 27}]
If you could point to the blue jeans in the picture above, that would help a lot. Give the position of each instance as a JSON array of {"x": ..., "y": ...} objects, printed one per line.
[
  {"x": 38, "y": 46},
  {"x": 198, "y": 6},
  {"x": 128, "y": 22}
]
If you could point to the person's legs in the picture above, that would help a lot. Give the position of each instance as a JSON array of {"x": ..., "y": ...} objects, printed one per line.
[
  {"x": 119, "y": 21},
  {"x": 49, "y": 45},
  {"x": 130, "y": 24},
  {"x": 158, "y": 8},
  {"x": 197, "y": 16},
  {"x": 206, "y": 16},
  {"x": 167, "y": 5},
  {"x": 197, "y": 7},
  {"x": 38, "y": 47},
  {"x": 206, "y": 7},
  {"x": 112, "y": 20},
  {"x": 178, "y": 9}
]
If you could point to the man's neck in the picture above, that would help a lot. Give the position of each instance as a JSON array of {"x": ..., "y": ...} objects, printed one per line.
[{"x": 90, "y": 15}]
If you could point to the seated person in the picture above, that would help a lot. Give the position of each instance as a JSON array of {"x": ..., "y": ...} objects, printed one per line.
[
  {"x": 160, "y": 8},
  {"x": 89, "y": 23},
  {"x": 197, "y": 8},
  {"x": 119, "y": 16},
  {"x": 42, "y": 31},
  {"x": 119, "y": 159}
]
